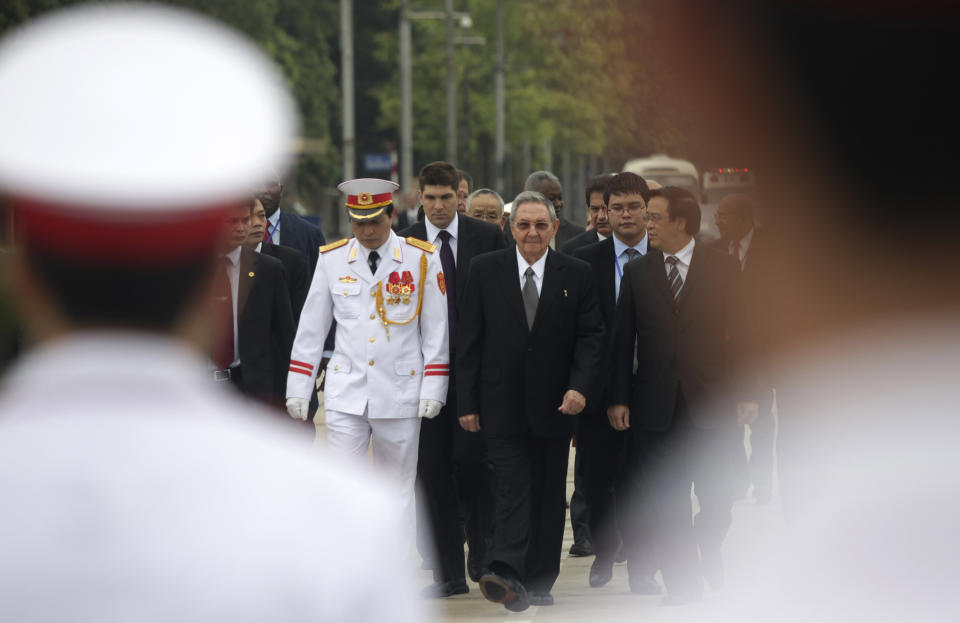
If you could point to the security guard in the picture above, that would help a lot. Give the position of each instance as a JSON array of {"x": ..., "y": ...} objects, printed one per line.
[
  {"x": 391, "y": 364},
  {"x": 134, "y": 488}
]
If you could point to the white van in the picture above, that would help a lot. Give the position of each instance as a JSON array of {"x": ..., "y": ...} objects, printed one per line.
[{"x": 666, "y": 171}]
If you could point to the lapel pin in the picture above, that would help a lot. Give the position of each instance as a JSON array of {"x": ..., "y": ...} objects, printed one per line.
[
  {"x": 564, "y": 292},
  {"x": 250, "y": 274}
]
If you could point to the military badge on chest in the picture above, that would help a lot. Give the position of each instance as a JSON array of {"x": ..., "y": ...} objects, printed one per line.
[{"x": 399, "y": 288}]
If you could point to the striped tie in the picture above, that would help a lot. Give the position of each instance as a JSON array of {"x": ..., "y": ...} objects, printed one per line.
[{"x": 673, "y": 277}]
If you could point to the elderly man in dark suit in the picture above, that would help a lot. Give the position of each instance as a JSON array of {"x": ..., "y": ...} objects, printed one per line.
[
  {"x": 548, "y": 185},
  {"x": 678, "y": 304},
  {"x": 600, "y": 447},
  {"x": 456, "y": 480},
  {"x": 528, "y": 345}
]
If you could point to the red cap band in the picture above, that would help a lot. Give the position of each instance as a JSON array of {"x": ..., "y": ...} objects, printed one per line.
[{"x": 149, "y": 237}]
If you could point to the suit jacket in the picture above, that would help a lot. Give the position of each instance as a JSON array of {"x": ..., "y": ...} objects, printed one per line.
[
  {"x": 567, "y": 231},
  {"x": 601, "y": 260},
  {"x": 295, "y": 270},
  {"x": 265, "y": 326},
  {"x": 580, "y": 240},
  {"x": 515, "y": 377},
  {"x": 473, "y": 238},
  {"x": 302, "y": 235},
  {"x": 692, "y": 350}
]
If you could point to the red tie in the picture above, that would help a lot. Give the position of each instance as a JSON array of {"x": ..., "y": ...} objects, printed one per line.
[{"x": 222, "y": 345}]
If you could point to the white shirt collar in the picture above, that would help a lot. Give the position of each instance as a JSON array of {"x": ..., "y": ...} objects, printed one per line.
[
  {"x": 601, "y": 237},
  {"x": 433, "y": 231},
  {"x": 233, "y": 256},
  {"x": 620, "y": 247},
  {"x": 275, "y": 217},
  {"x": 538, "y": 266},
  {"x": 686, "y": 253}
]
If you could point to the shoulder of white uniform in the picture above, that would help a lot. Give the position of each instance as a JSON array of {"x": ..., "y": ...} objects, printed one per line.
[
  {"x": 420, "y": 244},
  {"x": 333, "y": 245}
]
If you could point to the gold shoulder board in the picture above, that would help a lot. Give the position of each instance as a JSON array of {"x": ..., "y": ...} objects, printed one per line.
[
  {"x": 334, "y": 245},
  {"x": 420, "y": 244}
]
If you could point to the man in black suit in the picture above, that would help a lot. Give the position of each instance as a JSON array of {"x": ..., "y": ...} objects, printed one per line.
[
  {"x": 599, "y": 225},
  {"x": 529, "y": 342},
  {"x": 548, "y": 185},
  {"x": 289, "y": 229},
  {"x": 295, "y": 269},
  {"x": 600, "y": 447},
  {"x": 253, "y": 325},
  {"x": 456, "y": 480},
  {"x": 679, "y": 304},
  {"x": 740, "y": 238}
]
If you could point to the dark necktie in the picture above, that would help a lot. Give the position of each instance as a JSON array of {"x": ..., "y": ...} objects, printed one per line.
[
  {"x": 530, "y": 297},
  {"x": 673, "y": 278},
  {"x": 373, "y": 259},
  {"x": 632, "y": 254},
  {"x": 222, "y": 344},
  {"x": 450, "y": 277}
]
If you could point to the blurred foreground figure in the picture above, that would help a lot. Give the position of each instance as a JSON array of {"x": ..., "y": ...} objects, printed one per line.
[{"x": 134, "y": 488}]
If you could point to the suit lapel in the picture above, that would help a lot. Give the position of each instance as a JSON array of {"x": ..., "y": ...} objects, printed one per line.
[
  {"x": 693, "y": 276},
  {"x": 248, "y": 270},
  {"x": 550, "y": 290},
  {"x": 607, "y": 283},
  {"x": 466, "y": 250},
  {"x": 659, "y": 276}
]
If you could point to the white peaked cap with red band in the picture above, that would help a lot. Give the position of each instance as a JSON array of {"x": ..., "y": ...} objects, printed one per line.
[
  {"x": 136, "y": 112},
  {"x": 367, "y": 197}
]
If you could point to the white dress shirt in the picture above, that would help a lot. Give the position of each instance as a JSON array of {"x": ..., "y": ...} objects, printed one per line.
[
  {"x": 538, "y": 267},
  {"x": 620, "y": 258},
  {"x": 433, "y": 235},
  {"x": 233, "y": 273},
  {"x": 684, "y": 256},
  {"x": 273, "y": 227}
]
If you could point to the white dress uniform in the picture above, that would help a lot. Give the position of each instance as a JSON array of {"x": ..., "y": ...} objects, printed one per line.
[
  {"x": 136, "y": 490},
  {"x": 379, "y": 372},
  {"x": 131, "y": 487}
]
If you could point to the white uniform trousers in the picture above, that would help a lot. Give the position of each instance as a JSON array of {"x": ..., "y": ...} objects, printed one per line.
[{"x": 395, "y": 445}]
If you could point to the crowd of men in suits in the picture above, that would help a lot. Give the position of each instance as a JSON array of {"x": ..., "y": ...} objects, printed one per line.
[{"x": 629, "y": 336}]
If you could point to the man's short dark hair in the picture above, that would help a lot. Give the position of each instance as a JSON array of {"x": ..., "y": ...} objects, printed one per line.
[
  {"x": 741, "y": 205},
  {"x": 680, "y": 203},
  {"x": 118, "y": 296},
  {"x": 626, "y": 184},
  {"x": 597, "y": 184},
  {"x": 465, "y": 176},
  {"x": 439, "y": 174}
]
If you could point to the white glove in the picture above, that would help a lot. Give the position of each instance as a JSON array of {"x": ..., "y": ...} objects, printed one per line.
[
  {"x": 298, "y": 407},
  {"x": 429, "y": 408}
]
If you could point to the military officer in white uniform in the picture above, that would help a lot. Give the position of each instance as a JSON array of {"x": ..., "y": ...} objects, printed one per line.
[
  {"x": 391, "y": 364},
  {"x": 133, "y": 487}
]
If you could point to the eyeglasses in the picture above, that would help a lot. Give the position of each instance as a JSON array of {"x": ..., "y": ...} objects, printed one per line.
[
  {"x": 653, "y": 218},
  {"x": 540, "y": 226},
  {"x": 633, "y": 208}
]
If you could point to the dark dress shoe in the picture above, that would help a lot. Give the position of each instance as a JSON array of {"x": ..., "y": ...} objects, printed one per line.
[
  {"x": 504, "y": 589},
  {"x": 440, "y": 590},
  {"x": 601, "y": 571},
  {"x": 582, "y": 548},
  {"x": 621, "y": 556},
  {"x": 644, "y": 585},
  {"x": 541, "y": 598}
]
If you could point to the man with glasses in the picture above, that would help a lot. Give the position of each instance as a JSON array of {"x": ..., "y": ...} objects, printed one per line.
[
  {"x": 529, "y": 342},
  {"x": 548, "y": 185},
  {"x": 676, "y": 336},
  {"x": 487, "y": 205},
  {"x": 600, "y": 447},
  {"x": 599, "y": 228}
]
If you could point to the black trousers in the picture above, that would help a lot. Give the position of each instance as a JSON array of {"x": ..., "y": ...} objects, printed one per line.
[
  {"x": 665, "y": 465},
  {"x": 530, "y": 508},
  {"x": 455, "y": 493},
  {"x": 579, "y": 507}
]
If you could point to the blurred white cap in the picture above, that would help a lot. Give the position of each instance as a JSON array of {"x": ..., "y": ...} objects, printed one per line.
[{"x": 135, "y": 107}]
